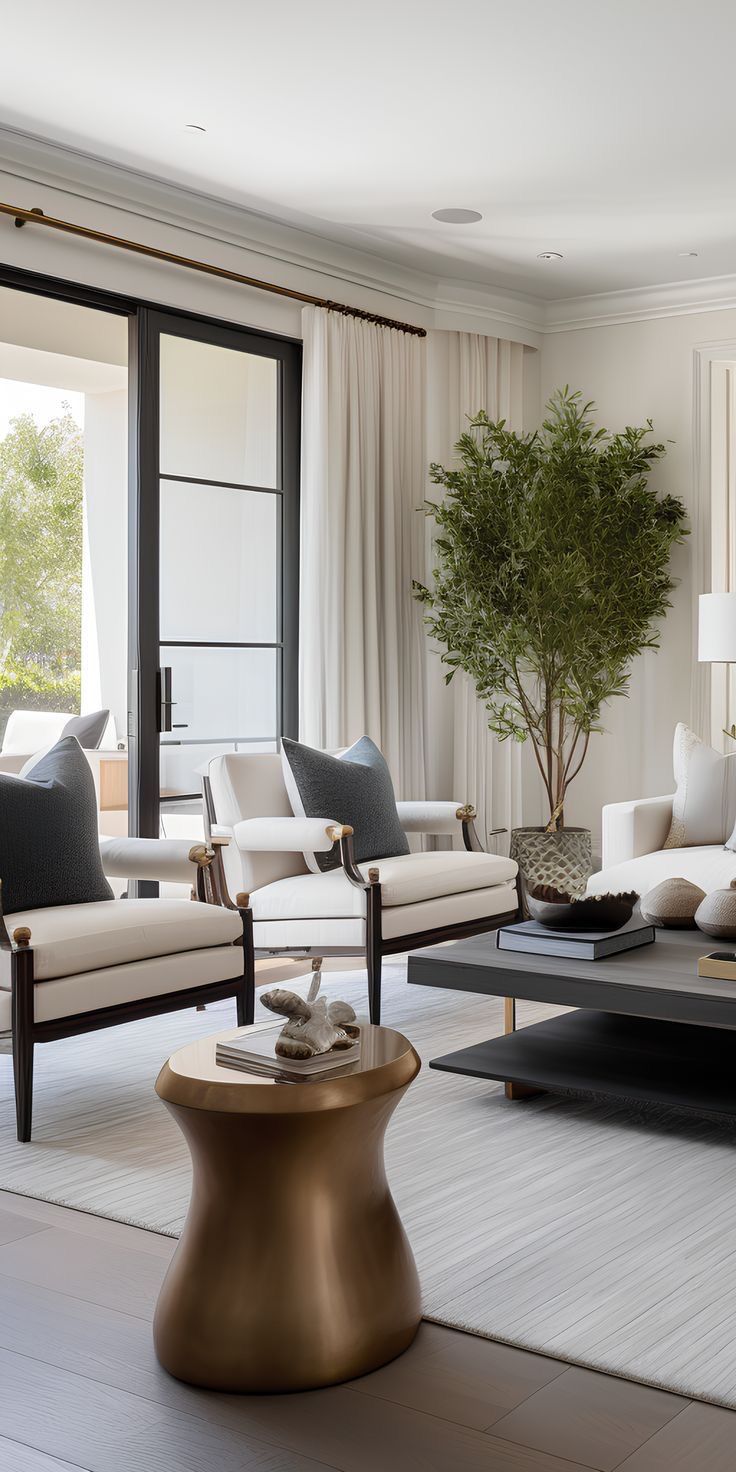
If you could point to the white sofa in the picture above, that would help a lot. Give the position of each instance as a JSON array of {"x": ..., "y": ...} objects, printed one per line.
[{"x": 633, "y": 856}]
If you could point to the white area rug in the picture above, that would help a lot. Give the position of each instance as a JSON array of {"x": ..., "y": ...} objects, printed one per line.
[{"x": 592, "y": 1231}]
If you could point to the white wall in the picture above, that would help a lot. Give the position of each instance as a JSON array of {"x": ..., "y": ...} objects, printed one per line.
[{"x": 635, "y": 371}]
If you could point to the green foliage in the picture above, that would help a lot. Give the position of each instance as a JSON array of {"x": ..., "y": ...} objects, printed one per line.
[
  {"x": 552, "y": 572},
  {"x": 40, "y": 564}
]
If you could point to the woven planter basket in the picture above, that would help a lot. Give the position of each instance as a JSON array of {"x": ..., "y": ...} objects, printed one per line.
[{"x": 563, "y": 859}]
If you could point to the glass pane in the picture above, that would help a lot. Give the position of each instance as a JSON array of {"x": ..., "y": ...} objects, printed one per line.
[
  {"x": 219, "y": 564},
  {"x": 181, "y": 773},
  {"x": 219, "y": 413},
  {"x": 227, "y": 694}
]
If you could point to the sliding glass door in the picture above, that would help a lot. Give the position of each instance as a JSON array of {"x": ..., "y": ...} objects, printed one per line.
[{"x": 214, "y": 521}]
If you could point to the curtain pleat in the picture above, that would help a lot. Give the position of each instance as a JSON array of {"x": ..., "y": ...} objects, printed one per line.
[
  {"x": 485, "y": 373},
  {"x": 363, "y": 464}
]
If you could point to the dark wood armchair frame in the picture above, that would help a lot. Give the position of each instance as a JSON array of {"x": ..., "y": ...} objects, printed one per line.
[
  {"x": 27, "y": 1032},
  {"x": 376, "y": 946}
]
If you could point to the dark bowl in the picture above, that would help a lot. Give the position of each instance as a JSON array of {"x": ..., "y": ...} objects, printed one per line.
[{"x": 592, "y": 912}]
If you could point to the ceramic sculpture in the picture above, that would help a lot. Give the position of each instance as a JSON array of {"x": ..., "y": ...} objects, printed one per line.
[{"x": 314, "y": 1025}]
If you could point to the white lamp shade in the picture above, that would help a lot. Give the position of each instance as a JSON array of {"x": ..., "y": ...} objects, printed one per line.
[{"x": 717, "y": 628}]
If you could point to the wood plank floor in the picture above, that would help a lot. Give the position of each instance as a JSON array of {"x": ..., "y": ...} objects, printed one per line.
[{"x": 80, "y": 1387}]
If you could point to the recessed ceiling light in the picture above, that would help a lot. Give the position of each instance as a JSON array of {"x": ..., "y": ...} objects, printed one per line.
[
  {"x": 195, "y": 128},
  {"x": 549, "y": 255},
  {"x": 456, "y": 217},
  {"x": 687, "y": 252}
]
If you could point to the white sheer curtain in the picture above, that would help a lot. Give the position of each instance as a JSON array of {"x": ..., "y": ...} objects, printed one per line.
[
  {"x": 363, "y": 474},
  {"x": 485, "y": 373}
]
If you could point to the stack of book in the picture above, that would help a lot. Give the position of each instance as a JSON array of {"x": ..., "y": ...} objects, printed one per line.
[
  {"x": 255, "y": 1053},
  {"x": 536, "y": 939}
]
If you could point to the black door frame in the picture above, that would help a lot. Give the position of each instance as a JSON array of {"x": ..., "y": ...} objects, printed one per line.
[{"x": 146, "y": 321}]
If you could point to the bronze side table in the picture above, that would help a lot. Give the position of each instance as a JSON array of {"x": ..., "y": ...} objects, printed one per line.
[{"x": 293, "y": 1270}]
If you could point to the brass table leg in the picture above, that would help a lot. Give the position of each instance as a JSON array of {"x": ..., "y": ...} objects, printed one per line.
[{"x": 514, "y": 1091}]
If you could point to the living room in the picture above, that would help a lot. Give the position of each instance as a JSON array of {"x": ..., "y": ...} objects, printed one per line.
[{"x": 367, "y": 818}]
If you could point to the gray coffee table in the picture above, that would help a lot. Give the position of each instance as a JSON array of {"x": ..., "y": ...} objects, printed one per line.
[{"x": 647, "y": 1027}]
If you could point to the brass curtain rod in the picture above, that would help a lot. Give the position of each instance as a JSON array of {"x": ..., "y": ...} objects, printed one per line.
[{"x": 37, "y": 217}]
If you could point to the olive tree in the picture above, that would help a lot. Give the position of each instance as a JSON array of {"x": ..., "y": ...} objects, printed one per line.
[{"x": 552, "y": 572}]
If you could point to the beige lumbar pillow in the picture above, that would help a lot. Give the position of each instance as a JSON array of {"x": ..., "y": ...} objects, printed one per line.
[
  {"x": 704, "y": 805},
  {"x": 672, "y": 904},
  {"x": 717, "y": 914}
]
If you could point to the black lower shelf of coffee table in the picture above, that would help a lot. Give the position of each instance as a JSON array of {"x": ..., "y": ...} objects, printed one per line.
[{"x": 634, "y": 1058}]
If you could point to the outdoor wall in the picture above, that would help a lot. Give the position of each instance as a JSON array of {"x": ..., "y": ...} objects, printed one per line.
[{"x": 635, "y": 371}]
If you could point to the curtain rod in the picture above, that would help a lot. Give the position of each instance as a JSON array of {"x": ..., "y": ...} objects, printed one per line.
[{"x": 37, "y": 217}]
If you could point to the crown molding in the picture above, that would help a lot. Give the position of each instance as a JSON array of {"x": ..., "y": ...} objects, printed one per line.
[
  {"x": 87, "y": 180},
  {"x": 641, "y": 304},
  {"x": 442, "y": 302}
]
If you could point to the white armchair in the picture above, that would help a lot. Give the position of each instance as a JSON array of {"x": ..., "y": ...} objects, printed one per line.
[
  {"x": 75, "y": 968},
  {"x": 378, "y": 909}
]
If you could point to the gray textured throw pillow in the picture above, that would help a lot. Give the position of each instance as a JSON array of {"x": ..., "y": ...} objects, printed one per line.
[
  {"x": 89, "y": 730},
  {"x": 353, "y": 788},
  {"x": 49, "y": 845}
]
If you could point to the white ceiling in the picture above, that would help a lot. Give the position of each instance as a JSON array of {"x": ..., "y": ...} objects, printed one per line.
[{"x": 603, "y": 129}]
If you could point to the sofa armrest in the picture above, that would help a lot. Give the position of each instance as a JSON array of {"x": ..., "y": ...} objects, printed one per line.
[
  {"x": 634, "y": 828},
  {"x": 283, "y": 835},
  {"x": 171, "y": 860}
]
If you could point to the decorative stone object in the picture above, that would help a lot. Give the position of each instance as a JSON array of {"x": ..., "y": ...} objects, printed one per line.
[
  {"x": 314, "y": 1025},
  {"x": 717, "y": 913},
  {"x": 672, "y": 904}
]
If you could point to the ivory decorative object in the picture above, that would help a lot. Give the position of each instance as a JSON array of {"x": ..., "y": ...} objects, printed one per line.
[
  {"x": 717, "y": 913},
  {"x": 672, "y": 905},
  {"x": 314, "y": 1025}
]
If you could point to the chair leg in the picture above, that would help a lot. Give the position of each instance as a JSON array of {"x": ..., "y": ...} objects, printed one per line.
[
  {"x": 246, "y": 996},
  {"x": 374, "y": 947},
  {"x": 22, "y": 1022},
  {"x": 374, "y": 962},
  {"x": 23, "y": 1079}
]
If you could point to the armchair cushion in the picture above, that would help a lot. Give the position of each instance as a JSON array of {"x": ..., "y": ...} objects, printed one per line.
[
  {"x": 49, "y": 849},
  {"x": 88, "y": 991},
  {"x": 69, "y": 939},
  {"x": 405, "y": 880},
  {"x": 356, "y": 786}
]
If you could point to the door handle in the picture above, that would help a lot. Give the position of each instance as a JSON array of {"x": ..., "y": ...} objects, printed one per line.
[{"x": 165, "y": 703}]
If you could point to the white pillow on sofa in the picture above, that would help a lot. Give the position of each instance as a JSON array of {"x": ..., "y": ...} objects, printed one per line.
[{"x": 704, "y": 806}]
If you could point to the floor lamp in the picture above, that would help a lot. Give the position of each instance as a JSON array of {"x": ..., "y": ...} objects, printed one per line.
[{"x": 717, "y": 633}]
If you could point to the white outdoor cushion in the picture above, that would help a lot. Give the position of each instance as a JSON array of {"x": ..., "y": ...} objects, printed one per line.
[
  {"x": 90, "y": 990},
  {"x": 67, "y": 939},
  {"x": 711, "y": 866},
  {"x": 405, "y": 880},
  {"x": 28, "y": 731},
  {"x": 348, "y": 931}
]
